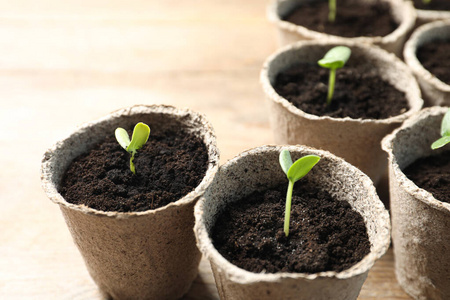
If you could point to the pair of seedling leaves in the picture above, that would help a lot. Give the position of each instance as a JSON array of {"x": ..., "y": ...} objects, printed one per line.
[{"x": 141, "y": 132}]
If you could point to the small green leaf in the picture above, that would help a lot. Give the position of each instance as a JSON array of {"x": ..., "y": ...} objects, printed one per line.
[
  {"x": 140, "y": 136},
  {"x": 301, "y": 167},
  {"x": 122, "y": 137},
  {"x": 441, "y": 142},
  {"x": 335, "y": 58},
  {"x": 285, "y": 160},
  {"x": 445, "y": 126}
]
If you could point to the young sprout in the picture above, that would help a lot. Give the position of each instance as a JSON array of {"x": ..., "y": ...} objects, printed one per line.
[
  {"x": 445, "y": 132},
  {"x": 294, "y": 172},
  {"x": 332, "y": 10},
  {"x": 334, "y": 59},
  {"x": 140, "y": 136}
]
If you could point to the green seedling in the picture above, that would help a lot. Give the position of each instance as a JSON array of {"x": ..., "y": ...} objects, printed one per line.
[
  {"x": 140, "y": 136},
  {"x": 331, "y": 10},
  {"x": 445, "y": 132},
  {"x": 426, "y": 2},
  {"x": 334, "y": 59},
  {"x": 294, "y": 172}
]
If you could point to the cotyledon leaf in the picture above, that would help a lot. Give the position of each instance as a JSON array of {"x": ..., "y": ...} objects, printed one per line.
[
  {"x": 301, "y": 167},
  {"x": 122, "y": 137},
  {"x": 140, "y": 136}
]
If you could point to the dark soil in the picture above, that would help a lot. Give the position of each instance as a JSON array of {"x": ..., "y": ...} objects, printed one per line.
[
  {"x": 325, "y": 234},
  {"x": 435, "y": 57},
  {"x": 168, "y": 167},
  {"x": 353, "y": 18},
  {"x": 433, "y": 5},
  {"x": 357, "y": 94},
  {"x": 432, "y": 174}
]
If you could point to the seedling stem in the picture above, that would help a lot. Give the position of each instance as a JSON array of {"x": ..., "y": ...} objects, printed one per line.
[
  {"x": 331, "y": 11},
  {"x": 334, "y": 59},
  {"x": 294, "y": 172}
]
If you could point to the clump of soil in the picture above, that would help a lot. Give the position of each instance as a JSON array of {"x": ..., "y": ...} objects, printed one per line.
[
  {"x": 169, "y": 166},
  {"x": 432, "y": 174},
  {"x": 357, "y": 94},
  {"x": 325, "y": 234},
  {"x": 435, "y": 57},
  {"x": 353, "y": 18}
]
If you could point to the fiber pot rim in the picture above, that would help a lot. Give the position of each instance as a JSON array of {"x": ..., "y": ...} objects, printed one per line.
[
  {"x": 405, "y": 183},
  {"x": 407, "y": 23},
  {"x": 426, "y": 15},
  {"x": 415, "y": 103},
  {"x": 209, "y": 139},
  {"x": 242, "y": 276},
  {"x": 413, "y": 62}
]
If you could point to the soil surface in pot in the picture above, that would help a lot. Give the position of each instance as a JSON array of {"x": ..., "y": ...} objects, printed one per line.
[
  {"x": 433, "y": 5},
  {"x": 325, "y": 234},
  {"x": 435, "y": 57},
  {"x": 357, "y": 94},
  {"x": 169, "y": 166},
  {"x": 432, "y": 173},
  {"x": 353, "y": 18}
]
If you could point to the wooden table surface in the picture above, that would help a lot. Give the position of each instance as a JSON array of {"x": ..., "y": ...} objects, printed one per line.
[{"x": 63, "y": 63}]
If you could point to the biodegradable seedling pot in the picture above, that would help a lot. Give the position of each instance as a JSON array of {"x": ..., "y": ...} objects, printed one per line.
[
  {"x": 402, "y": 11},
  {"x": 355, "y": 140},
  {"x": 435, "y": 92},
  {"x": 258, "y": 169},
  {"x": 420, "y": 222},
  {"x": 137, "y": 255}
]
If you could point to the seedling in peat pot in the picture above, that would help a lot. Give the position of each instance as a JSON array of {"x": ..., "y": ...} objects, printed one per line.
[
  {"x": 334, "y": 59},
  {"x": 140, "y": 136},
  {"x": 294, "y": 172},
  {"x": 445, "y": 132},
  {"x": 332, "y": 10}
]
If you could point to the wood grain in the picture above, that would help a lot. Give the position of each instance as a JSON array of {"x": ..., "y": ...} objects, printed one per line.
[{"x": 63, "y": 63}]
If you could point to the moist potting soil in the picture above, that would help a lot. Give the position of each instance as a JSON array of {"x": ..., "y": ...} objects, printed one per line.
[
  {"x": 325, "y": 234},
  {"x": 169, "y": 166},
  {"x": 353, "y": 18},
  {"x": 357, "y": 94},
  {"x": 432, "y": 173},
  {"x": 435, "y": 57}
]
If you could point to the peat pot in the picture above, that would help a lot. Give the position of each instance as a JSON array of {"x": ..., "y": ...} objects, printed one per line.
[
  {"x": 420, "y": 222},
  {"x": 402, "y": 11},
  {"x": 258, "y": 169},
  {"x": 435, "y": 91},
  {"x": 136, "y": 255},
  {"x": 355, "y": 140}
]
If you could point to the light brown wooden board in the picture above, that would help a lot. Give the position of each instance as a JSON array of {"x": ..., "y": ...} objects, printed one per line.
[{"x": 63, "y": 63}]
